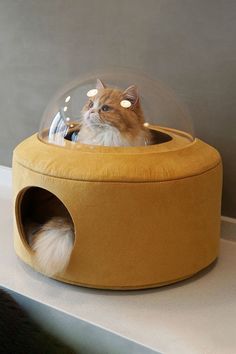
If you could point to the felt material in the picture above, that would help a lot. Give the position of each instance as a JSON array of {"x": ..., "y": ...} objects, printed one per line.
[{"x": 143, "y": 217}]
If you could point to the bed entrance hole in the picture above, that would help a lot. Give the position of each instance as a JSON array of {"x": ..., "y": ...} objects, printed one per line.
[{"x": 34, "y": 207}]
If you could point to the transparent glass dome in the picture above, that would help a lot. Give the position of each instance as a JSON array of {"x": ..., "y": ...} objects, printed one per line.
[{"x": 163, "y": 115}]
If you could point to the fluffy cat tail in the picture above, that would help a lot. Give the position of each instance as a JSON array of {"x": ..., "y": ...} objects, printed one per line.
[{"x": 52, "y": 243}]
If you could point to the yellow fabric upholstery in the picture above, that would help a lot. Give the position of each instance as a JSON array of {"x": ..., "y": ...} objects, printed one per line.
[{"x": 143, "y": 217}]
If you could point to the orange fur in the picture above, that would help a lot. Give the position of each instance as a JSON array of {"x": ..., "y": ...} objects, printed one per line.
[{"x": 128, "y": 121}]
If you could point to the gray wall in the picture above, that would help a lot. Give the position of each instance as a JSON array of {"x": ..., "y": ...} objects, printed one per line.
[{"x": 188, "y": 44}]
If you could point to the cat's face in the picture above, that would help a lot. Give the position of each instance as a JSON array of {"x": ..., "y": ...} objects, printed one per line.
[{"x": 107, "y": 108}]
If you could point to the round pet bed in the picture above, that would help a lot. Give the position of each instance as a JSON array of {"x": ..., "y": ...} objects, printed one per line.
[{"x": 143, "y": 216}]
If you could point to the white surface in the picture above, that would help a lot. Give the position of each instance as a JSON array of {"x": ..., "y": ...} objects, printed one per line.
[
  {"x": 5, "y": 177},
  {"x": 196, "y": 316}
]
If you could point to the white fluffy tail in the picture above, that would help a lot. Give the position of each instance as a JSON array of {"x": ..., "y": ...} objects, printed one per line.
[{"x": 52, "y": 243}]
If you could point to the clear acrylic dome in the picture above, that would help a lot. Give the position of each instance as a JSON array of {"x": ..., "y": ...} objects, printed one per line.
[{"x": 162, "y": 112}]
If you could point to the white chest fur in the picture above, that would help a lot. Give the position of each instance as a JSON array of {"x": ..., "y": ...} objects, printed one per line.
[{"x": 107, "y": 135}]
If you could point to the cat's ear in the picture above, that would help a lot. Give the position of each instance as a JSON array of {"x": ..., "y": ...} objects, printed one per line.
[
  {"x": 100, "y": 84},
  {"x": 131, "y": 94}
]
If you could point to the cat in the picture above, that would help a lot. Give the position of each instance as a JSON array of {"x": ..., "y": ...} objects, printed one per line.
[{"x": 111, "y": 117}]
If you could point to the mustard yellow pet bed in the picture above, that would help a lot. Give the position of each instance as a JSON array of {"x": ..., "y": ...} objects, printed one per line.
[{"x": 143, "y": 216}]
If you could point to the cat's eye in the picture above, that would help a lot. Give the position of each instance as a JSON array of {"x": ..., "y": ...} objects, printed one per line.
[
  {"x": 90, "y": 104},
  {"x": 105, "y": 108}
]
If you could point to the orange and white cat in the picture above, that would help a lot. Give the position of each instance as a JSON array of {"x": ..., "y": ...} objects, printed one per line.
[{"x": 111, "y": 117}]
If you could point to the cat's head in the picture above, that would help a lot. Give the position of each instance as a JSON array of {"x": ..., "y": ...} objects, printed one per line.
[{"x": 113, "y": 107}]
